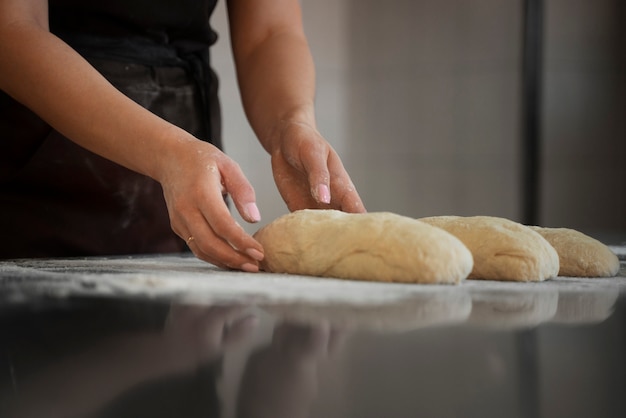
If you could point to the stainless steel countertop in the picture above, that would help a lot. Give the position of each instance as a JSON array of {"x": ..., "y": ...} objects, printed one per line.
[{"x": 173, "y": 336}]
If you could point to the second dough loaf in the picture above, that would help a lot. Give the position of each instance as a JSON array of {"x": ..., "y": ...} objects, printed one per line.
[{"x": 502, "y": 249}]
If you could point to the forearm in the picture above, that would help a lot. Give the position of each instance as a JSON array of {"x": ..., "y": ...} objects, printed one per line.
[
  {"x": 275, "y": 69},
  {"x": 45, "y": 74}
]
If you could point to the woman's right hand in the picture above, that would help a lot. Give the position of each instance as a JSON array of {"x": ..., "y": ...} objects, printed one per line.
[
  {"x": 41, "y": 71},
  {"x": 196, "y": 176}
]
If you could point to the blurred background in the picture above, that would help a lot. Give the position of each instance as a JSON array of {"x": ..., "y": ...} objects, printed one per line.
[{"x": 423, "y": 101}]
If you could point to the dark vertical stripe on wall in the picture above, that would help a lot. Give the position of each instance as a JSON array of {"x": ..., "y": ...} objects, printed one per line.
[
  {"x": 621, "y": 52},
  {"x": 532, "y": 39}
]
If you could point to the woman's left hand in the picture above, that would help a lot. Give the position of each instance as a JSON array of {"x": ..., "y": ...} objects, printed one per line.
[{"x": 308, "y": 172}]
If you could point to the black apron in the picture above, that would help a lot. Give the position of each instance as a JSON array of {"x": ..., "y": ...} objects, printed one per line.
[{"x": 58, "y": 199}]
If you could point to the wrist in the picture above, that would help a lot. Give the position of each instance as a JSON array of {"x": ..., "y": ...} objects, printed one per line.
[
  {"x": 169, "y": 152},
  {"x": 273, "y": 137}
]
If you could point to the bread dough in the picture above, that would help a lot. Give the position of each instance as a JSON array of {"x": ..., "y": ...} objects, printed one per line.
[
  {"x": 579, "y": 254},
  {"x": 379, "y": 246},
  {"x": 502, "y": 249}
]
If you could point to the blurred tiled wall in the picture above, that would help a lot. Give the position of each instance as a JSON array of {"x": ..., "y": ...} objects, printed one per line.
[
  {"x": 422, "y": 100},
  {"x": 434, "y": 106}
]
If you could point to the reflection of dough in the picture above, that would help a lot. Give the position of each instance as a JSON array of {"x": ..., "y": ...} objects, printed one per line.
[
  {"x": 502, "y": 249},
  {"x": 579, "y": 254},
  {"x": 417, "y": 311},
  {"x": 513, "y": 309},
  {"x": 372, "y": 246},
  {"x": 585, "y": 306}
]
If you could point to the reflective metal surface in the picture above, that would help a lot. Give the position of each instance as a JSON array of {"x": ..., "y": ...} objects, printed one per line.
[{"x": 173, "y": 337}]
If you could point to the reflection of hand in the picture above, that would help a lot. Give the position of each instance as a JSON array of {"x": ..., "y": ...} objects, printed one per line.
[
  {"x": 309, "y": 173},
  {"x": 79, "y": 384},
  {"x": 281, "y": 380},
  {"x": 194, "y": 335},
  {"x": 307, "y": 344},
  {"x": 194, "y": 179}
]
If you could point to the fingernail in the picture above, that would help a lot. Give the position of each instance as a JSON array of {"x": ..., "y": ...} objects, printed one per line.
[
  {"x": 256, "y": 254},
  {"x": 323, "y": 193},
  {"x": 252, "y": 211},
  {"x": 249, "y": 267}
]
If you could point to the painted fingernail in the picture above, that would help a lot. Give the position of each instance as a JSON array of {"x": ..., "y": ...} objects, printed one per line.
[
  {"x": 254, "y": 253},
  {"x": 249, "y": 267},
  {"x": 323, "y": 193},
  {"x": 252, "y": 211}
]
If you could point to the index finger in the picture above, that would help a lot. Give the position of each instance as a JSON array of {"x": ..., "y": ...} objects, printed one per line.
[
  {"x": 315, "y": 163},
  {"x": 223, "y": 224},
  {"x": 344, "y": 191}
]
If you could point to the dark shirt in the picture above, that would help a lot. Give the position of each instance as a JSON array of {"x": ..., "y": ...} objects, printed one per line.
[{"x": 178, "y": 22}]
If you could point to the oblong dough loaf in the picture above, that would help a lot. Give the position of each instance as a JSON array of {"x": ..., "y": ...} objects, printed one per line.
[
  {"x": 502, "y": 249},
  {"x": 579, "y": 254},
  {"x": 379, "y": 246}
]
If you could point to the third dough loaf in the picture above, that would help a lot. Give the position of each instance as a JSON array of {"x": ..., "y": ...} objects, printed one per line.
[
  {"x": 579, "y": 254},
  {"x": 378, "y": 246},
  {"x": 502, "y": 249}
]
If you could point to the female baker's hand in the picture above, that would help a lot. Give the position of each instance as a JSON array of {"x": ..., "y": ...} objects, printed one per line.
[
  {"x": 195, "y": 177},
  {"x": 276, "y": 77},
  {"x": 309, "y": 173}
]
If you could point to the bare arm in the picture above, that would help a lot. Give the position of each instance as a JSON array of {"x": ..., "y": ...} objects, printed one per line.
[
  {"x": 49, "y": 77},
  {"x": 277, "y": 81},
  {"x": 45, "y": 74}
]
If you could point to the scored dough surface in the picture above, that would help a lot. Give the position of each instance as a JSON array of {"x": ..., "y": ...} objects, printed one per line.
[
  {"x": 579, "y": 254},
  {"x": 378, "y": 246},
  {"x": 502, "y": 249}
]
